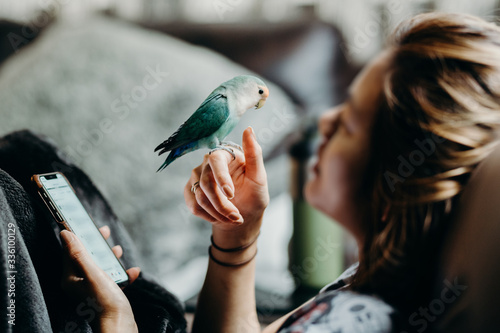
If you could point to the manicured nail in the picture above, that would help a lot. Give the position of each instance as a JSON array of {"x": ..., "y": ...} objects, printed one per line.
[
  {"x": 238, "y": 222},
  {"x": 228, "y": 191},
  {"x": 235, "y": 217},
  {"x": 67, "y": 236}
]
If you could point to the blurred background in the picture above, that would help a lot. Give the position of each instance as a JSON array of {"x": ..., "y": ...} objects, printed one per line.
[
  {"x": 356, "y": 19},
  {"x": 108, "y": 80}
]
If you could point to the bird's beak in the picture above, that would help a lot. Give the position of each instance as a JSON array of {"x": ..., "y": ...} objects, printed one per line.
[
  {"x": 262, "y": 101},
  {"x": 260, "y": 104}
]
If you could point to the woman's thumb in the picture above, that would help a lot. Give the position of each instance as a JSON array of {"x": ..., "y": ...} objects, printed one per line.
[
  {"x": 253, "y": 157},
  {"x": 77, "y": 252}
]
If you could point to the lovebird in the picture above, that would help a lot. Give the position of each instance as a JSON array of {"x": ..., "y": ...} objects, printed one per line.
[{"x": 216, "y": 117}]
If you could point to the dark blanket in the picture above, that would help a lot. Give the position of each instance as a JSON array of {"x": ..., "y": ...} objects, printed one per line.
[{"x": 30, "y": 295}]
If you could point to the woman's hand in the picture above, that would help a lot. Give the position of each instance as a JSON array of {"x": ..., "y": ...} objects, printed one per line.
[
  {"x": 232, "y": 194},
  {"x": 83, "y": 279}
]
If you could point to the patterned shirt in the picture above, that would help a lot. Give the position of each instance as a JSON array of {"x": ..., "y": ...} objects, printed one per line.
[{"x": 339, "y": 310}]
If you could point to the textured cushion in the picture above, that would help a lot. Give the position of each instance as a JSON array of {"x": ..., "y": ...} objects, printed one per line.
[{"x": 107, "y": 93}]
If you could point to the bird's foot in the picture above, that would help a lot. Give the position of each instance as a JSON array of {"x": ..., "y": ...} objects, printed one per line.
[
  {"x": 232, "y": 144},
  {"x": 220, "y": 147}
]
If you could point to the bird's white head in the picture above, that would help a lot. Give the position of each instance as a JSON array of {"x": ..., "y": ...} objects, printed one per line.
[{"x": 250, "y": 90}]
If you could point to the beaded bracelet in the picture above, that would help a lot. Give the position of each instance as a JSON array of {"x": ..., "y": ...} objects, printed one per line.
[
  {"x": 225, "y": 264},
  {"x": 239, "y": 248}
]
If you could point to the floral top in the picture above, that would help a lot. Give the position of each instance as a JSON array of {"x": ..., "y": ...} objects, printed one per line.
[{"x": 339, "y": 310}]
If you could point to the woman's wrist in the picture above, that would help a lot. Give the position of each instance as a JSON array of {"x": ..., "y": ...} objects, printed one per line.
[
  {"x": 233, "y": 259},
  {"x": 239, "y": 236},
  {"x": 235, "y": 247},
  {"x": 117, "y": 321}
]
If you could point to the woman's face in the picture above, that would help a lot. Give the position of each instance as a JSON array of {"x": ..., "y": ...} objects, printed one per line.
[{"x": 335, "y": 187}]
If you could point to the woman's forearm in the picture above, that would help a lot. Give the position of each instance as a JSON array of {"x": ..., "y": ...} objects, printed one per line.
[{"x": 227, "y": 299}]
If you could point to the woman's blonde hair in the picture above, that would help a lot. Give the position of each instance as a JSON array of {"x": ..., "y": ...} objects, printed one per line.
[{"x": 438, "y": 118}]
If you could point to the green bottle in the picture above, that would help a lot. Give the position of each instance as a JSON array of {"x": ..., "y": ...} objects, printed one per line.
[{"x": 316, "y": 247}]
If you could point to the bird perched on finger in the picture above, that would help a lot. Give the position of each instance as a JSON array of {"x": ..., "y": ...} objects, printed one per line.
[{"x": 216, "y": 117}]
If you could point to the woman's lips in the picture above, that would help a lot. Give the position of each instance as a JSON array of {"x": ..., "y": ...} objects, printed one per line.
[
  {"x": 313, "y": 168},
  {"x": 317, "y": 159},
  {"x": 319, "y": 154},
  {"x": 316, "y": 168}
]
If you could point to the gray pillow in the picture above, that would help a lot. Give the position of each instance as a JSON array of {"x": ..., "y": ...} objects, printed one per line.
[{"x": 108, "y": 92}]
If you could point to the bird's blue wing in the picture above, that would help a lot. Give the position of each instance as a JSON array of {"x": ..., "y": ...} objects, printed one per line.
[{"x": 207, "y": 119}]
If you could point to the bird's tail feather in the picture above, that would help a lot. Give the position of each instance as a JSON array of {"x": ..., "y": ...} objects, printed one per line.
[
  {"x": 169, "y": 144},
  {"x": 178, "y": 152},
  {"x": 164, "y": 148},
  {"x": 171, "y": 157}
]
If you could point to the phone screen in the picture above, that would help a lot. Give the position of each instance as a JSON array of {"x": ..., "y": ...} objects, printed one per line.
[{"x": 75, "y": 215}]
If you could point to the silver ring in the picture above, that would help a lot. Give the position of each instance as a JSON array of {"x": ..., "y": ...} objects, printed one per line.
[{"x": 194, "y": 187}]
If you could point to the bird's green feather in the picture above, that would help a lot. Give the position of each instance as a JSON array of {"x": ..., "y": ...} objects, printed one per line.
[{"x": 207, "y": 119}]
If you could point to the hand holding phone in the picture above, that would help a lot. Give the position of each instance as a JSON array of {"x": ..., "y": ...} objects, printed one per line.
[
  {"x": 101, "y": 301},
  {"x": 68, "y": 211}
]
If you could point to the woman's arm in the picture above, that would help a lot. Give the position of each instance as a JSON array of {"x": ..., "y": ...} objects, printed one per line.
[
  {"x": 232, "y": 196},
  {"x": 227, "y": 300}
]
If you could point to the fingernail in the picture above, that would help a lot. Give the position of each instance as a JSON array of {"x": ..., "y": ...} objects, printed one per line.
[
  {"x": 67, "y": 236},
  {"x": 228, "y": 191},
  {"x": 236, "y": 217}
]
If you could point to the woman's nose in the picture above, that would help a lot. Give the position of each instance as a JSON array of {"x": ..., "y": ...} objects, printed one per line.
[{"x": 327, "y": 120}]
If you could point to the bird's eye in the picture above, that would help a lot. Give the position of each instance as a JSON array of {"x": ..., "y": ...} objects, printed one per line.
[{"x": 261, "y": 91}]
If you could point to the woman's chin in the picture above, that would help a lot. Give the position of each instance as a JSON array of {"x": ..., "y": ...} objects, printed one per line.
[
  {"x": 311, "y": 193},
  {"x": 316, "y": 195}
]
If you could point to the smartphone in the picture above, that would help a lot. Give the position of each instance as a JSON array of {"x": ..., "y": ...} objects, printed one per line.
[{"x": 62, "y": 202}]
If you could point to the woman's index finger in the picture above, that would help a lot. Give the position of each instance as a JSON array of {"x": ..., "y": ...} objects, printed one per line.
[{"x": 219, "y": 163}]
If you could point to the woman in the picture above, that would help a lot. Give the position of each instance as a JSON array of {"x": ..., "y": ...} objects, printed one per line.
[{"x": 393, "y": 162}]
